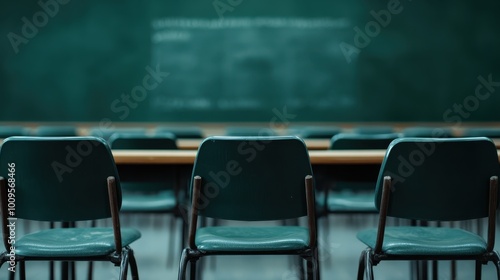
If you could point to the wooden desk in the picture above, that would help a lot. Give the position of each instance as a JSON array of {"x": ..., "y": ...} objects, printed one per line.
[{"x": 188, "y": 157}]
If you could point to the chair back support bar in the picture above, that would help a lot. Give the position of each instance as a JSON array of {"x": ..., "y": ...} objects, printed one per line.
[
  {"x": 221, "y": 161},
  {"x": 63, "y": 171},
  {"x": 466, "y": 166}
]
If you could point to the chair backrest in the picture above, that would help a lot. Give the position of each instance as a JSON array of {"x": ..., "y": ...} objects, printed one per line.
[
  {"x": 319, "y": 132},
  {"x": 55, "y": 130},
  {"x": 430, "y": 132},
  {"x": 105, "y": 133},
  {"x": 490, "y": 132},
  {"x": 59, "y": 178},
  {"x": 13, "y": 130},
  {"x": 143, "y": 142},
  {"x": 181, "y": 132},
  {"x": 145, "y": 178},
  {"x": 249, "y": 131},
  {"x": 374, "y": 129},
  {"x": 439, "y": 179},
  {"x": 252, "y": 178},
  {"x": 352, "y": 141}
]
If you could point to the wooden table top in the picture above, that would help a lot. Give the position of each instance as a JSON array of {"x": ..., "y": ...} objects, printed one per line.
[
  {"x": 317, "y": 157},
  {"x": 188, "y": 157}
]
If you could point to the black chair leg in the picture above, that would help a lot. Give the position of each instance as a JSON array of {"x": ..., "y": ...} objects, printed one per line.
[
  {"x": 316, "y": 262},
  {"x": 64, "y": 270},
  {"x": 181, "y": 275},
  {"x": 309, "y": 268},
  {"x": 22, "y": 269},
  {"x": 434, "y": 270},
  {"x": 124, "y": 265},
  {"x": 368, "y": 265},
  {"x": 192, "y": 266},
  {"x": 361, "y": 265},
  {"x": 90, "y": 270},
  {"x": 453, "y": 270},
  {"x": 478, "y": 270},
  {"x": 133, "y": 265}
]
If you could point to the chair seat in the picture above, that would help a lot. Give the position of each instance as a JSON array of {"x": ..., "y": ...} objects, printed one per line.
[
  {"x": 351, "y": 202},
  {"x": 157, "y": 202},
  {"x": 72, "y": 242},
  {"x": 252, "y": 238},
  {"x": 426, "y": 241}
]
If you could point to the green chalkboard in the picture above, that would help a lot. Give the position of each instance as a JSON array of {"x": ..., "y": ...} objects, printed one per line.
[{"x": 249, "y": 60}]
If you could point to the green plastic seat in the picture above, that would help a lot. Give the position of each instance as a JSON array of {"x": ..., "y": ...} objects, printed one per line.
[
  {"x": 430, "y": 132},
  {"x": 251, "y": 179},
  {"x": 351, "y": 189},
  {"x": 64, "y": 179},
  {"x": 189, "y": 132},
  {"x": 431, "y": 179},
  {"x": 55, "y": 130},
  {"x": 150, "y": 189}
]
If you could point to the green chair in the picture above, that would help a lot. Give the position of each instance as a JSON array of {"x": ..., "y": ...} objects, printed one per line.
[
  {"x": 430, "y": 132},
  {"x": 252, "y": 179},
  {"x": 106, "y": 133},
  {"x": 490, "y": 132},
  {"x": 13, "y": 130},
  {"x": 350, "y": 189},
  {"x": 55, "y": 130},
  {"x": 429, "y": 179},
  {"x": 250, "y": 131},
  {"x": 181, "y": 132},
  {"x": 315, "y": 132},
  {"x": 373, "y": 129},
  {"x": 63, "y": 179},
  {"x": 149, "y": 188}
]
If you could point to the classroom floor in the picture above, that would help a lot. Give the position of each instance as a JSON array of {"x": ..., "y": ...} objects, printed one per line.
[{"x": 339, "y": 252}]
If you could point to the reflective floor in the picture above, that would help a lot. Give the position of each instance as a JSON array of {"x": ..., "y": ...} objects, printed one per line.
[{"x": 339, "y": 253}]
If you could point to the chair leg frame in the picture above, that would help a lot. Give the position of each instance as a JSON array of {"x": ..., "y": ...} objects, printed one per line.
[
  {"x": 192, "y": 256},
  {"x": 368, "y": 260}
]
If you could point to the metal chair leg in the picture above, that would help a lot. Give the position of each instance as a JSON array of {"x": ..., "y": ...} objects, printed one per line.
[
  {"x": 22, "y": 269},
  {"x": 181, "y": 275},
  {"x": 478, "y": 270},
  {"x": 309, "y": 268},
  {"x": 369, "y": 265},
  {"x": 192, "y": 267},
  {"x": 124, "y": 265},
  {"x": 316, "y": 262},
  {"x": 90, "y": 270},
  {"x": 361, "y": 265},
  {"x": 435, "y": 270},
  {"x": 133, "y": 265}
]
